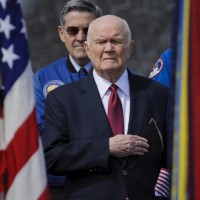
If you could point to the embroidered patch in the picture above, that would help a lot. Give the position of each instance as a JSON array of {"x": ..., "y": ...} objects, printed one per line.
[
  {"x": 51, "y": 85},
  {"x": 156, "y": 68}
]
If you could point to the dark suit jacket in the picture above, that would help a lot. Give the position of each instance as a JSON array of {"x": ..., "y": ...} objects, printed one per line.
[{"x": 76, "y": 140}]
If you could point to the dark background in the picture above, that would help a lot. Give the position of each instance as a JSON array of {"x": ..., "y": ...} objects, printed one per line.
[{"x": 150, "y": 22}]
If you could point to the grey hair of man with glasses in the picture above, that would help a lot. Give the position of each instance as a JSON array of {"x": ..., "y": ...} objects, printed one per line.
[{"x": 79, "y": 5}]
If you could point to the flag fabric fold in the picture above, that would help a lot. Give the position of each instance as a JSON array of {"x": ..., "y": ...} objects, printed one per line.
[
  {"x": 23, "y": 174},
  {"x": 186, "y": 121}
]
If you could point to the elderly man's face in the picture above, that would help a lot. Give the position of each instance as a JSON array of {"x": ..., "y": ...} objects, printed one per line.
[{"x": 108, "y": 46}]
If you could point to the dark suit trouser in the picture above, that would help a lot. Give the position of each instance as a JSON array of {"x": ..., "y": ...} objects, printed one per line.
[{"x": 57, "y": 193}]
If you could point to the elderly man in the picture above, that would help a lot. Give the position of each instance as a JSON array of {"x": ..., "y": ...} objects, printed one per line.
[{"x": 106, "y": 132}]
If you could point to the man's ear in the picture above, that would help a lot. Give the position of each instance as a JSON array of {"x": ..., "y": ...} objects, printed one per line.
[
  {"x": 131, "y": 47},
  {"x": 61, "y": 33},
  {"x": 86, "y": 47}
]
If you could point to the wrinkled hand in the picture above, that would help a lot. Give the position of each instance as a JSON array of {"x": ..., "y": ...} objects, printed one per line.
[{"x": 127, "y": 145}]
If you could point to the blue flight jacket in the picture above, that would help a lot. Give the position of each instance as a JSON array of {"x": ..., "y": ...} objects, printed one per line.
[
  {"x": 45, "y": 80},
  {"x": 162, "y": 70},
  {"x": 49, "y": 78}
]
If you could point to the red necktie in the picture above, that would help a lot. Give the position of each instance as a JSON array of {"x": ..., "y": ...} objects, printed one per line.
[{"x": 115, "y": 112}]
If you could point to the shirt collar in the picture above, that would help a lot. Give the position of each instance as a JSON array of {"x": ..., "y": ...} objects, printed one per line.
[
  {"x": 123, "y": 84},
  {"x": 77, "y": 67},
  {"x": 103, "y": 84}
]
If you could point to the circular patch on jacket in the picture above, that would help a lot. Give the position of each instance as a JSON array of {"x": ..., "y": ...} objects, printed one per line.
[
  {"x": 51, "y": 85},
  {"x": 157, "y": 68}
]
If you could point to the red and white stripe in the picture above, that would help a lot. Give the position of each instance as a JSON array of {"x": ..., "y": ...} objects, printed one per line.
[
  {"x": 162, "y": 187},
  {"x": 2, "y": 156},
  {"x": 25, "y": 167}
]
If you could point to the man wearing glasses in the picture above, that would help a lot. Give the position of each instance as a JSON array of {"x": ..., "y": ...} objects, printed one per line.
[{"x": 75, "y": 18}]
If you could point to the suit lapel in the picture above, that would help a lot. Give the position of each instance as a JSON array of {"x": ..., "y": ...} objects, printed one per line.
[
  {"x": 137, "y": 108},
  {"x": 94, "y": 107},
  {"x": 138, "y": 99}
]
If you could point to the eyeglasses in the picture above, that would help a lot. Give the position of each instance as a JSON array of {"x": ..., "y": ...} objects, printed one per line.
[{"x": 73, "y": 30}]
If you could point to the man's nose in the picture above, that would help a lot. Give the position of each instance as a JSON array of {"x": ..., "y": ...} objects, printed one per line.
[
  {"x": 108, "y": 46},
  {"x": 81, "y": 36}
]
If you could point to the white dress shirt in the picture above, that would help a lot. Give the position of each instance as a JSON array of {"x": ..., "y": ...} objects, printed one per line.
[
  {"x": 77, "y": 67},
  {"x": 123, "y": 92}
]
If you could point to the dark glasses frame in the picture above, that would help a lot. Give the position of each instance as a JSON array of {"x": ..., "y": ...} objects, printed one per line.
[{"x": 73, "y": 30}]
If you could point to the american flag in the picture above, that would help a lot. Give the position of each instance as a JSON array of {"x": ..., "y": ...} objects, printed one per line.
[
  {"x": 22, "y": 168},
  {"x": 162, "y": 187}
]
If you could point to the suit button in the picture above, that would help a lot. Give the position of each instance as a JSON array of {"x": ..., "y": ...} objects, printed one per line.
[{"x": 124, "y": 172}]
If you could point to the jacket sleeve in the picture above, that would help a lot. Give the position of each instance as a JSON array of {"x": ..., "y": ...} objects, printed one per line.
[{"x": 67, "y": 152}]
